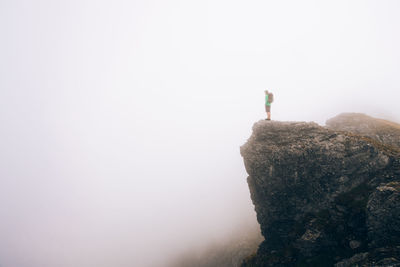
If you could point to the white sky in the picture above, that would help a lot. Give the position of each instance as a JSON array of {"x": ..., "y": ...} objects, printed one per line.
[{"x": 121, "y": 121}]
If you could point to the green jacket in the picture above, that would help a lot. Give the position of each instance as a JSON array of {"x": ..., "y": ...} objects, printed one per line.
[{"x": 266, "y": 100}]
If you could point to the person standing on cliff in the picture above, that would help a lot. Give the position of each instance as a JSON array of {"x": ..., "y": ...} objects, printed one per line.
[{"x": 269, "y": 98}]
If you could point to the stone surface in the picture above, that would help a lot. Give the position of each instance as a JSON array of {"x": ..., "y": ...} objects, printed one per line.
[
  {"x": 383, "y": 131},
  {"x": 322, "y": 196}
]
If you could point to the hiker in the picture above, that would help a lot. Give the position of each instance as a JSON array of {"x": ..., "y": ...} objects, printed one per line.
[{"x": 269, "y": 98}]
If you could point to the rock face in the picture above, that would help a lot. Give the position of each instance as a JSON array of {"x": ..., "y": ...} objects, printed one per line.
[
  {"x": 383, "y": 131},
  {"x": 323, "y": 197}
]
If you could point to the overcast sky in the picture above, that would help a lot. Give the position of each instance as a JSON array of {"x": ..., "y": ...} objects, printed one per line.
[{"x": 121, "y": 121}]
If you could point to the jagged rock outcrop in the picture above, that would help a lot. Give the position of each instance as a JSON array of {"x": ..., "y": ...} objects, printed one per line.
[
  {"x": 383, "y": 131},
  {"x": 323, "y": 197}
]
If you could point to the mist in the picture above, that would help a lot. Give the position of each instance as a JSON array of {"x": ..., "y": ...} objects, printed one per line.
[{"x": 121, "y": 121}]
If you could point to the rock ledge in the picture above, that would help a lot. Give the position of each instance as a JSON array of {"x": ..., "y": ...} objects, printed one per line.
[{"x": 323, "y": 197}]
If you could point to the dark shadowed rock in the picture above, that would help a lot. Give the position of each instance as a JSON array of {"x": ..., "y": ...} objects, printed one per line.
[{"x": 322, "y": 197}]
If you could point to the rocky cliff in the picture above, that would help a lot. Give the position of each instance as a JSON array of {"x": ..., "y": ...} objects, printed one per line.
[
  {"x": 383, "y": 131},
  {"x": 323, "y": 197}
]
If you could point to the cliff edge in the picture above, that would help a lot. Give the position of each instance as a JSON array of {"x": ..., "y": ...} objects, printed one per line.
[{"x": 323, "y": 196}]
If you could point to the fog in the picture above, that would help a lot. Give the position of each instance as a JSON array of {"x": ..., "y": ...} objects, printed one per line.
[{"x": 121, "y": 121}]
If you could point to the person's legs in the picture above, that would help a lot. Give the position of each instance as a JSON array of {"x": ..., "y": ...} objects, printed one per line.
[{"x": 268, "y": 110}]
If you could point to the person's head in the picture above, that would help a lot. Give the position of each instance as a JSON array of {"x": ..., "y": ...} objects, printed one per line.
[{"x": 266, "y": 91}]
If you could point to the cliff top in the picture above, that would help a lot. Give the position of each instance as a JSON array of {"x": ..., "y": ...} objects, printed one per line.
[
  {"x": 326, "y": 196},
  {"x": 381, "y": 130}
]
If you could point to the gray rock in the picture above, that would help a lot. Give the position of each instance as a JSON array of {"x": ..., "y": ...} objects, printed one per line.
[
  {"x": 321, "y": 195},
  {"x": 383, "y": 210},
  {"x": 383, "y": 131},
  {"x": 354, "y": 244},
  {"x": 353, "y": 261}
]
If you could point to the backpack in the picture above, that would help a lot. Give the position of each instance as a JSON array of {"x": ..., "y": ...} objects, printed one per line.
[{"x": 270, "y": 97}]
